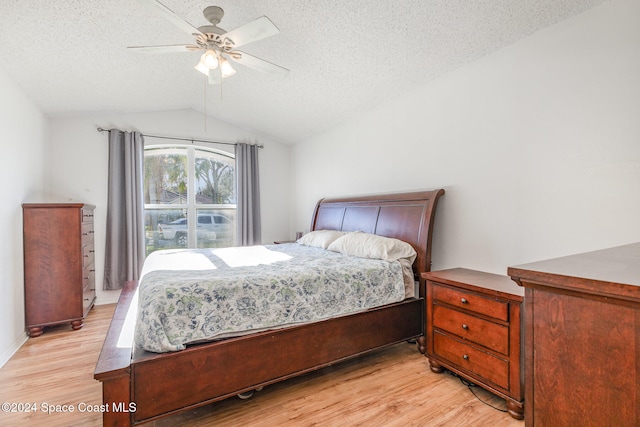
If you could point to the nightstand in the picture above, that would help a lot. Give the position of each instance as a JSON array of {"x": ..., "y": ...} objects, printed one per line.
[{"x": 474, "y": 328}]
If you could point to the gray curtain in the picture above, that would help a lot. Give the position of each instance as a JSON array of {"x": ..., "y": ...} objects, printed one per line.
[
  {"x": 125, "y": 246},
  {"x": 248, "y": 215}
]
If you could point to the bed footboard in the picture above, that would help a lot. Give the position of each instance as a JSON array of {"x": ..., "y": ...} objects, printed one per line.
[
  {"x": 114, "y": 364},
  {"x": 172, "y": 382}
]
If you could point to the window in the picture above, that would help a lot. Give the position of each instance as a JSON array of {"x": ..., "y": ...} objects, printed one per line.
[{"x": 190, "y": 197}]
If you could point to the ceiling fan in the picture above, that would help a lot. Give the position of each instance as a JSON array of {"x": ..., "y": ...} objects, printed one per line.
[{"x": 218, "y": 46}]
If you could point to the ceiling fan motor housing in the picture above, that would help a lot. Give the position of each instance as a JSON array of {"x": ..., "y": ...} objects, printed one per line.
[{"x": 213, "y": 14}]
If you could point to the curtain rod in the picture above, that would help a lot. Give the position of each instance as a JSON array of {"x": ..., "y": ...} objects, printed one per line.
[{"x": 192, "y": 140}]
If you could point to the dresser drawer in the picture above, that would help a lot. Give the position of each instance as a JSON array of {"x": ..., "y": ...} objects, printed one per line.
[
  {"x": 87, "y": 232},
  {"x": 87, "y": 215},
  {"x": 88, "y": 297},
  {"x": 88, "y": 277},
  {"x": 472, "y": 360},
  {"x": 87, "y": 256},
  {"x": 488, "y": 334},
  {"x": 472, "y": 302}
]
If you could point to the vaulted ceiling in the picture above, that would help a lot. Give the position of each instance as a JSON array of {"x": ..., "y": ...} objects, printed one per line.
[{"x": 71, "y": 56}]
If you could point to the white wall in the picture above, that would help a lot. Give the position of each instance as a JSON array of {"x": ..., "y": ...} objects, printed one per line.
[
  {"x": 537, "y": 147},
  {"x": 79, "y": 161},
  {"x": 24, "y": 137}
]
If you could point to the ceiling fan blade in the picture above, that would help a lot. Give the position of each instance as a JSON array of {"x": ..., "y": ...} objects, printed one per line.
[
  {"x": 258, "y": 64},
  {"x": 259, "y": 29},
  {"x": 170, "y": 16},
  {"x": 172, "y": 48}
]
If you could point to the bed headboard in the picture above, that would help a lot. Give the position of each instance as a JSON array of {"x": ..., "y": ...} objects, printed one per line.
[{"x": 405, "y": 216}]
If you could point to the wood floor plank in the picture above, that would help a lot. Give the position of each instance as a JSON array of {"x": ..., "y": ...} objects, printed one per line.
[{"x": 392, "y": 387}]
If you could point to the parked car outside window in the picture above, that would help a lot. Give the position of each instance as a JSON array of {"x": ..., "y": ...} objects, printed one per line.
[{"x": 210, "y": 227}]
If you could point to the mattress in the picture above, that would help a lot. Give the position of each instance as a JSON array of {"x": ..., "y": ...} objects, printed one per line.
[{"x": 194, "y": 295}]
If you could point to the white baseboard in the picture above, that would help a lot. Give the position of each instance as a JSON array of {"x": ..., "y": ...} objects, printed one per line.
[
  {"x": 107, "y": 297},
  {"x": 9, "y": 352}
]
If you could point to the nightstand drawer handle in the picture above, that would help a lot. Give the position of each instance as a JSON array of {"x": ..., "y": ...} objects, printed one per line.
[
  {"x": 464, "y": 301},
  {"x": 465, "y": 327},
  {"x": 465, "y": 357}
]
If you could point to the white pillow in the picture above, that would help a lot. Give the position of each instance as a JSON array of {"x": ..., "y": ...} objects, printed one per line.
[
  {"x": 320, "y": 238},
  {"x": 365, "y": 245}
]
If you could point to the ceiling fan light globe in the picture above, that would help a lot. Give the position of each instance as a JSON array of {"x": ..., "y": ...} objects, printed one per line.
[
  {"x": 209, "y": 59},
  {"x": 202, "y": 68},
  {"x": 226, "y": 69}
]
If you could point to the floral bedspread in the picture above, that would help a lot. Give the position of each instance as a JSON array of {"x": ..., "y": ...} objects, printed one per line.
[{"x": 192, "y": 295}]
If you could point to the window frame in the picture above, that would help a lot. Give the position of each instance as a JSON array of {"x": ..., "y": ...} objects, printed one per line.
[{"x": 191, "y": 207}]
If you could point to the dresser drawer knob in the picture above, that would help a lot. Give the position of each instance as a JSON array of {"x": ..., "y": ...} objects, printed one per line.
[
  {"x": 465, "y": 357},
  {"x": 464, "y": 301},
  {"x": 465, "y": 327}
]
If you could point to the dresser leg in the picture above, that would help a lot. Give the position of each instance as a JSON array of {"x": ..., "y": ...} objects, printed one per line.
[
  {"x": 422, "y": 344},
  {"x": 435, "y": 367},
  {"x": 77, "y": 324},
  {"x": 35, "y": 331},
  {"x": 515, "y": 409}
]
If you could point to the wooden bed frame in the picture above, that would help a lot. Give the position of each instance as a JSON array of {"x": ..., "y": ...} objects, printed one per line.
[{"x": 140, "y": 386}]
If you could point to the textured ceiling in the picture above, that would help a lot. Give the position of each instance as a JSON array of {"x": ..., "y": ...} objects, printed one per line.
[{"x": 345, "y": 57}]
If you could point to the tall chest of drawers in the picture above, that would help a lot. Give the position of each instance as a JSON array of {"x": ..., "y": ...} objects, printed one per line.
[
  {"x": 59, "y": 267},
  {"x": 474, "y": 327}
]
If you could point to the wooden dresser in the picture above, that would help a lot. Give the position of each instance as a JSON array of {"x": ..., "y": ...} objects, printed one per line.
[
  {"x": 582, "y": 338},
  {"x": 59, "y": 268},
  {"x": 473, "y": 328}
]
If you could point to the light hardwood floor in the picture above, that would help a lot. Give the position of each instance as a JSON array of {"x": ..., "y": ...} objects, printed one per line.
[{"x": 391, "y": 387}]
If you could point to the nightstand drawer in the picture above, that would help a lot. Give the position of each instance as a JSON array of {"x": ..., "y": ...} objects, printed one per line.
[
  {"x": 488, "y": 334},
  {"x": 472, "y": 302},
  {"x": 473, "y": 360}
]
